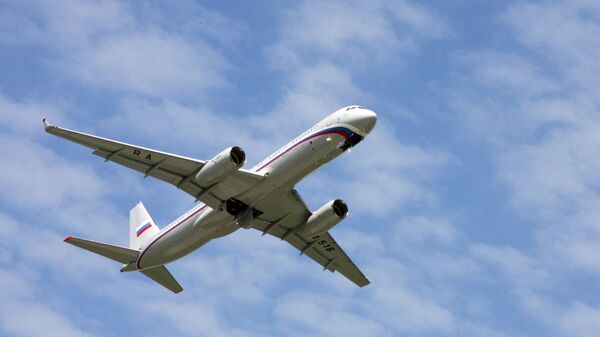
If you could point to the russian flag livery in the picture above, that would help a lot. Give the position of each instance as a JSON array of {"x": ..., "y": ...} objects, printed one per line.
[
  {"x": 142, "y": 229},
  {"x": 340, "y": 130}
]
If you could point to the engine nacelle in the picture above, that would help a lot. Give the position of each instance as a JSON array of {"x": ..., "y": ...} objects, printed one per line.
[
  {"x": 324, "y": 218},
  {"x": 221, "y": 166}
]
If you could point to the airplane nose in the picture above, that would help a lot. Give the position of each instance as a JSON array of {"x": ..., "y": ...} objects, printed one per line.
[{"x": 364, "y": 119}]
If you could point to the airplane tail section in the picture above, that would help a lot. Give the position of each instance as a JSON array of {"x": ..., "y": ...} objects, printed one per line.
[
  {"x": 141, "y": 226},
  {"x": 158, "y": 274}
]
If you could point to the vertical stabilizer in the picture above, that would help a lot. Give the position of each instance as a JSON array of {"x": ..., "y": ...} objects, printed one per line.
[{"x": 141, "y": 226}]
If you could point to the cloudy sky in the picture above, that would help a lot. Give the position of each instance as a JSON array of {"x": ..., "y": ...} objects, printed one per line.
[{"x": 475, "y": 202}]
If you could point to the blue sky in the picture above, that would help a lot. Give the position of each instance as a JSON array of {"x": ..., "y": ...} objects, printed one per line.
[{"x": 474, "y": 204}]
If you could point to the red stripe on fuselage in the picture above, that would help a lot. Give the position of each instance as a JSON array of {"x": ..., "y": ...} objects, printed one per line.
[
  {"x": 325, "y": 132},
  {"x": 165, "y": 233},
  {"x": 339, "y": 132}
]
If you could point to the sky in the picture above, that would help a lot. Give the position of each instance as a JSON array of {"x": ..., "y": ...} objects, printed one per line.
[{"x": 474, "y": 203}]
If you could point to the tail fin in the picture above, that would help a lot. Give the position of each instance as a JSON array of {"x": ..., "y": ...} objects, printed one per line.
[{"x": 141, "y": 226}]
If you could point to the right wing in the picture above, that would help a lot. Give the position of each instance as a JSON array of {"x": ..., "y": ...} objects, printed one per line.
[
  {"x": 176, "y": 170},
  {"x": 283, "y": 213}
]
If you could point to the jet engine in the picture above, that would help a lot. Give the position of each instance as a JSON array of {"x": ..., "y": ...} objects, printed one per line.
[
  {"x": 324, "y": 218},
  {"x": 221, "y": 166}
]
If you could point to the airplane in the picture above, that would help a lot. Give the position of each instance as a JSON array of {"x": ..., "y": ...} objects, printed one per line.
[{"x": 228, "y": 197}]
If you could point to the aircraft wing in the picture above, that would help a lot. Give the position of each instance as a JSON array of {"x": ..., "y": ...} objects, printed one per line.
[
  {"x": 283, "y": 212},
  {"x": 176, "y": 170}
]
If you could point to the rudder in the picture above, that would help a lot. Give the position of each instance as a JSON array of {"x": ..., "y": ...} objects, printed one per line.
[{"x": 141, "y": 226}]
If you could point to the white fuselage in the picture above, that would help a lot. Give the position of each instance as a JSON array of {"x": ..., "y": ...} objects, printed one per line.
[{"x": 285, "y": 167}]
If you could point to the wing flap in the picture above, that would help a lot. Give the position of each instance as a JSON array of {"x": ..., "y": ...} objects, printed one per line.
[
  {"x": 151, "y": 169},
  {"x": 162, "y": 276}
]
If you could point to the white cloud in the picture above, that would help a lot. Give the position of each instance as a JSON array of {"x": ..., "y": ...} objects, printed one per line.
[
  {"x": 357, "y": 34},
  {"x": 105, "y": 45},
  {"x": 582, "y": 320},
  {"x": 419, "y": 229},
  {"x": 518, "y": 267},
  {"x": 419, "y": 313},
  {"x": 40, "y": 179},
  {"x": 508, "y": 72},
  {"x": 193, "y": 318},
  {"x": 29, "y": 319},
  {"x": 152, "y": 63},
  {"x": 24, "y": 118},
  {"x": 566, "y": 33},
  {"x": 22, "y": 287},
  {"x": 315, "y": 91},
  {"x": 539, "y": 114},
  {"x": 545, "y": 135},
  {"x": 309, "y": 313}
]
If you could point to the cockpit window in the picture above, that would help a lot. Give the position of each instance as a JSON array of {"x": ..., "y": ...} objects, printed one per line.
[{"x": 354, "y": 107}]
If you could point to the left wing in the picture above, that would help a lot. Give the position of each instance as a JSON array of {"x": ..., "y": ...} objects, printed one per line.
[
  {"x": 173, "y": 169},
  {"x": 284, "y": 211}
]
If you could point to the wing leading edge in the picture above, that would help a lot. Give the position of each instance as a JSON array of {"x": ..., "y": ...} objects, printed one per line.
[
  {"x": 173, "y": 169},
  {"x": 284, "y": 213}
]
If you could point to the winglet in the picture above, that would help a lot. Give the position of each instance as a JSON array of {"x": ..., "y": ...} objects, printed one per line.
[
  {"x": 68, "y": 238},
  {"x": 46, "y": 124}
]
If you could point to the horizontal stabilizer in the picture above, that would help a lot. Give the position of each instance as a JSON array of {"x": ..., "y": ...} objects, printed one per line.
[
  {"x": 162, "y": 276},
  {"x": 116, "y": 253}
]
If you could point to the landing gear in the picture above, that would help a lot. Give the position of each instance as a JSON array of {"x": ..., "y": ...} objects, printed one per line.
[
  {"x": 351, "y": 141},
  {"x": 235, "y": 207},
  {"x": 244, "y": 215}
]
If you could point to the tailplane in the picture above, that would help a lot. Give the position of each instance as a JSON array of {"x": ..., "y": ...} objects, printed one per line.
[
  {"x": 116, "y": 253},
  {"x": 127, "y": 256},
  {"x": 162, "y": 276},
  {"x": 141, "y": 226}
]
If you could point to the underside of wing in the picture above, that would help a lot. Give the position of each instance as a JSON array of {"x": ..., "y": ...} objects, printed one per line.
[
  {"x": 283, "y": 213},
  {"x": 176, "y": 170}
]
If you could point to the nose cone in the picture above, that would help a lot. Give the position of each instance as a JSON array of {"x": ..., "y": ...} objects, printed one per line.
[{"x": 363, "y": 119}]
